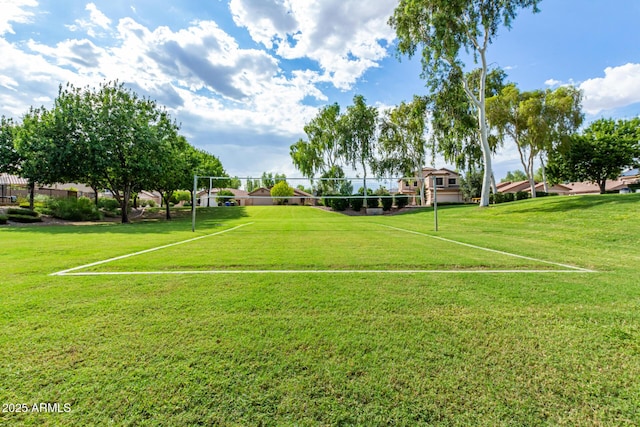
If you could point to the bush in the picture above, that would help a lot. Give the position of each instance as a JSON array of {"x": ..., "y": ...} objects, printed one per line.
[
  {"x": 111, "y": 205},
  {"x": 373, "y": 201},
  {"x": 522, "y": 195},
  {"x": 24, "y": 218},
  {"x": 3, "y": 219},
  {"x": 22, "y": 212},
  {"x": 151, "y": 203},
  {"x": 72, "y": 209},
  {"x": 339, "y": 204},
  {"x": 401, "y": 200},
  {"x": 387, "y": 202},
  {"x": 356, "y": 202}
]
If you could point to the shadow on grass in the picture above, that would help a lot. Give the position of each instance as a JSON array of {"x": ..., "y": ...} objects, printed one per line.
[{"x": 206, "y": 219}]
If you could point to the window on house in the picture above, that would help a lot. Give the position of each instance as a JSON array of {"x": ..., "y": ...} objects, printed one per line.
[
  {"x": 415, "y": 183},
  {"x": 452, "y": 181},
  {"x": 439, "y": 181}
]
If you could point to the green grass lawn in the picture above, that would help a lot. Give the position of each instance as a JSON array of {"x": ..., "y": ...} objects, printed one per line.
[{"x": 343, "y": 348}]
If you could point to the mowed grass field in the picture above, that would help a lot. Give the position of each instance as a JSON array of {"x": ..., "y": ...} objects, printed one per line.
[{"x": 323, "y": 319}]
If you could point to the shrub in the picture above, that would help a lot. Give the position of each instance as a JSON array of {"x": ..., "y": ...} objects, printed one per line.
[
  {"x": 23, "y": 212},
  {"x": 108, "y": 204},
  {"x": 3, "y": 219},
  {"x": 522, "y": 195},
  {"x": 373, "y": 202},
  {"x": 356, "y": 202},
  {"x": 401, "y": 200},
  {"x": 281, "y": 192},
  {"x": 24, "y": 218},
  {"x": 151, "y": 203},
  {"x": 387, "y": 202},
  {"x": 81, "y": 209},
  {"x": 339, "y": 204}
]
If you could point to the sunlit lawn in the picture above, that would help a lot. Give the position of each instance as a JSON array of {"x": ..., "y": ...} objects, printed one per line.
[{"x": 337, "y": 348}]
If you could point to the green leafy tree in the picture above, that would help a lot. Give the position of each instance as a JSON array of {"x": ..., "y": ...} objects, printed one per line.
[
  {"x": 536, "y": 121},
  {"x": 33, "y": 144},
  {"x": 603, "y": 150},
  {"x": 323, "y": 149},
  {"x": 442, "y": 29},
  {"x": 563, "y": 116},
  {"x": 235, "y": 183},
  {"x": 471, "y": 184},
  {"x": 454, "y": 118},
  {"x": 514, "y": 176},
  {"x": 115, "y": 132},
  {"x": 267, "y": 180},
  {"x": 9, "y": 156},
  {"x": 403, "y": 142},
  {"x": 281, "y": 191},
  {"x": 359, "y": 125}
]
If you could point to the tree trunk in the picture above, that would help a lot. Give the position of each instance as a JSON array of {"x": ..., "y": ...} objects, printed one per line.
[
  {"x": 484, "y": 134},
  {"x": 95, "y": 195},
  {"x": 603, "y": 186},
  {"x": 544, "y": 174},
  {"x": 167, "y": 196},
  {"x": 124, "y": 205},
  {"x": 32, "y": 191}
]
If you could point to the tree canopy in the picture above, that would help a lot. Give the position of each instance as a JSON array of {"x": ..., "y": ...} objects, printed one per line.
[
  {"x": 600, "y": 153},
  {"x": 441, "y": 30}
]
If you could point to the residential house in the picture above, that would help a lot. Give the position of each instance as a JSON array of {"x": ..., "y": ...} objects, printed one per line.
[
  {"x": 515, "y": 187},
  {"x": 566, "y": 189},
  {"x": 262, "y": 197},
  {"x": 443, "y": 184},
  {"x": 206, "y": 198}
]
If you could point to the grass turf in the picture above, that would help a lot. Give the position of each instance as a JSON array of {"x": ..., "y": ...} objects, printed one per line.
[{"x": 348, "y": 349}]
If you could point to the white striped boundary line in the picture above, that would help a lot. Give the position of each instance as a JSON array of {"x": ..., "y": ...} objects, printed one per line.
[
  {"x": 69, "y": 271},
  {"x": 74, "y": 271},
  {"x": 221, "y": 272},
  {"x": 570, "y": 268}
]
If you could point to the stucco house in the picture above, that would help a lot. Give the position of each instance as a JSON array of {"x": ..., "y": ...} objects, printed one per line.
[
  {"x": 443, "y": 183},
  {"x": 515, "y": 187},
  {"x": 211, "y": 199},
  {"x": 262, "y": 197},
  {"x": 566, "y": 189}
]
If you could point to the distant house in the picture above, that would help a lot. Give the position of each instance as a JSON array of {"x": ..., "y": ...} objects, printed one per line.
[
  {"x": 515, "y": 187},
  {"x": 206, "y": 198},
  {"x": 262, "y": 197},
  {"x": 565, "y": 189},
  {"x": 631, "y": 176},
  {"x": 441, "y": 183}
]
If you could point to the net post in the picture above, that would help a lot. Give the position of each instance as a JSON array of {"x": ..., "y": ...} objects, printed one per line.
[
  {"x": 193, "y": 203},
  {"x": 435, "y": 201}
]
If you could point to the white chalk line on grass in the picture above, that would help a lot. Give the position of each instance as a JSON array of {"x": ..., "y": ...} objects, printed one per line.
[
  {"x": 571, "y": 268},
  {"x": 150, "y": 273},
  {"x": 93, "y": 264}
]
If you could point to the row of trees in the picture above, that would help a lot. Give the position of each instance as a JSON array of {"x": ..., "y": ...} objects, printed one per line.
[
  {"x": 472, "y": 114},
  {"x": 107, "y": 138}
]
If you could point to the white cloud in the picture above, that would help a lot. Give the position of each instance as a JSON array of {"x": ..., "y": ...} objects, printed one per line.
[
  {"x": 619, "y": 87},
  {"x": 14, "y": 11},
  {"x": 343, "y": 36},
  {"x": 553, "y": 82},
  {"x": 96, "y": 19}
]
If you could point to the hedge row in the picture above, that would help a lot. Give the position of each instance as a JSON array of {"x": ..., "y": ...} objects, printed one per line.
[{"x": 356, "y": 202}]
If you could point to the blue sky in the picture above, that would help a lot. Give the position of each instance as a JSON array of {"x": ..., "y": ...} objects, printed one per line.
[{"x": 244, "y": 76}]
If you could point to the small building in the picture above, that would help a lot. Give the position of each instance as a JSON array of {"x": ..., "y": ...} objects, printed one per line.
[
  {"x": 441, "y": 183},
  {"x": 206, "y": 198},
  {"x": 262, "y": 197}
]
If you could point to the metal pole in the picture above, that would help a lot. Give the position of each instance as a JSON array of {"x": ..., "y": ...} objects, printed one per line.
[
  {"x": 193, "y": 203},
  {"x": 435, "y": 201}
]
